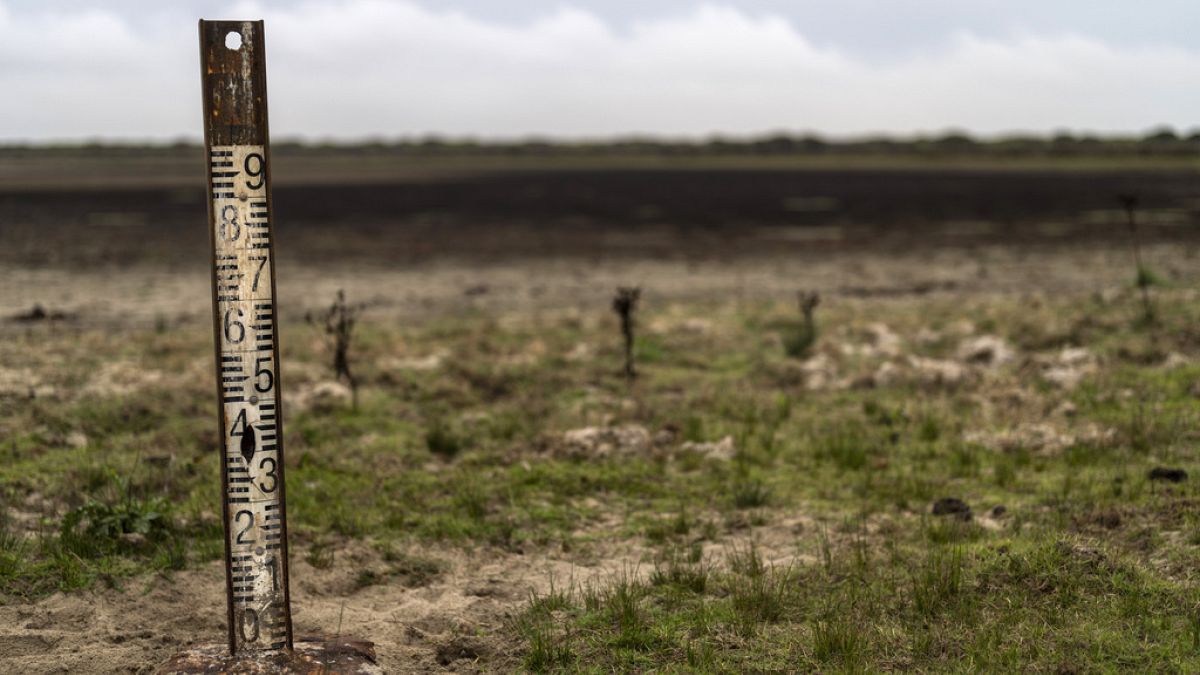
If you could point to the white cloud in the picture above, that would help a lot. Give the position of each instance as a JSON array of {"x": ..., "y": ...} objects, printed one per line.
[{"x": 391, "y": 68}]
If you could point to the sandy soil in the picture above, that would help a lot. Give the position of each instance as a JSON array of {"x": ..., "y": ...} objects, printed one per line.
[{"x": 448, "y": 625}]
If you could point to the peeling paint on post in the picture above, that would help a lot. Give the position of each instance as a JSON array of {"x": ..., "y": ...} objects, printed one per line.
[{"x": 233, "y": 70}]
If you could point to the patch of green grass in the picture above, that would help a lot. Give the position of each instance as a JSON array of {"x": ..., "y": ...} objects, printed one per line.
[
  {"x": 837, "y": 640},
  {"x": 750, "y": 494},
  {"x": 873, "y": 619},
  {"x": 442, "y": 440},
  {"x": 799, "y": 340},
  {"x": 105, "y": 538},
  {"x": 847, "y": 447},
  {"x": 546, "y": 652},
  {"x": 938, "y": 582},
  {"x": 321, "y": 555},
  {"x": 686, "y": 572}
]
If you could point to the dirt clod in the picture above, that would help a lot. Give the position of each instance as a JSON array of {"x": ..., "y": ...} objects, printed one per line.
[
  {"x": 1167, "y": 474},
  {"x": 459, "y": 647},
  {"x": 952, "y": 506},
  {"x": 1109, "y": 520},
  {"x": 38, "y": 313}
]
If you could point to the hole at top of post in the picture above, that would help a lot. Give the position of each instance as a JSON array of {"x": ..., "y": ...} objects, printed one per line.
[{"x": 233, "y": 40}]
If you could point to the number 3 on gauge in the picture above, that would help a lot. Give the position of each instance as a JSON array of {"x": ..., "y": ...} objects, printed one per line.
[{"x": 269, "y": 474}]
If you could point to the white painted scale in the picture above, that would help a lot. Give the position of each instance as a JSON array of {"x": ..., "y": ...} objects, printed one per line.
[{"x": 246, "y": 338}]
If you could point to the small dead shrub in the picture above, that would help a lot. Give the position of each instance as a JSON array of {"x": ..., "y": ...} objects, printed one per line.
[
  {"x": 338, "y": 323},
  {"x": 799, "y": 344},
  {"x": 625, "y": 304}
]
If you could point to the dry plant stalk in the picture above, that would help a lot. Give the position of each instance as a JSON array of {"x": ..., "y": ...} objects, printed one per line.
[
  {"x": 338, "y": 322},
  {"x": 799, "y": 344},
  {"x": 625, "y": 304}
]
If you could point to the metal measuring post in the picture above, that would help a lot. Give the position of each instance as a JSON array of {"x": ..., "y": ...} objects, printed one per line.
[{"x": 233, "y": 71}]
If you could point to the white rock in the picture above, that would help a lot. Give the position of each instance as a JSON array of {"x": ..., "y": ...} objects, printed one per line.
[
  {"x": 927, "y": 337},
  {"x": 723, "y": 449},
  {"x": 417, "y": 363},
  {"x": 1065, "y": 409},
  {"x": 582, "y": 351},
  {"x": 887, "y": 374},
  {"x": 1175, "y": 360},
  {"x": 820, "y": 372},
  {"x": 1075, "y": 356},
  {"x": 322, "y": 397},
  {"x": 1038, "y": 437},
  {"x": 594, "y": 442},
  {"x": 883, "y": 341},
  {"x": 961, "y": 328},
  {"x": 985, "y": 350},
  {"x": 937, "y": 371},
  {"x": 1069, "y": 367}
]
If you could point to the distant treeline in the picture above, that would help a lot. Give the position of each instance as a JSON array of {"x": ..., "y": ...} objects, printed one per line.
[{"x": 1162, "y": 142}]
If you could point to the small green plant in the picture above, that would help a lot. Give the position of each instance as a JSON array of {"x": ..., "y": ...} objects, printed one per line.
[
  {"x": 471, "y": 499},
  {"x": 679, "y": 571},
  {"x": 320, "y": 555},
  {"x": 553, "y": 600},
  {"x": 127, "y": 522},
  {"x": 1146, "y": 428},
  {"x": 172, "y": 556},
  {"x": 846, "y": 447},
  {"x": 620, "y": 607},
  {"x": 701, "y": 657},
  {"x": 745, "y": 561},
  {"x": 546, "y": 651},
  {"x": 108, "y": 522},
  {"x": 1144, "y": 278},
  {"x": 442, "y": 440},
  {"x": 366, "y": 578},
  {"x": 1194, "y": 629},
  {"x": 751, "y": 494},
  {"x": 930, "y": 429},
  {"x": 14, "y": 551},
  {"x": 758, "y": 594},
  {"x": 799, "y": 344},
  {"x": 837, "y": 639},
  {"x": 415, "y": 570},
  {"x": 625, "y": 305},
  {"x": 938, "y": 581}
]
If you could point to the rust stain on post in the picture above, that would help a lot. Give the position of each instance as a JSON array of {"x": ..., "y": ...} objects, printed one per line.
[{"x": 235, "y": 84}]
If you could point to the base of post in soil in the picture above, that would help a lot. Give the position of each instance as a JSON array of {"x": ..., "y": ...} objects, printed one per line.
[{"x": 312, "y": 654}]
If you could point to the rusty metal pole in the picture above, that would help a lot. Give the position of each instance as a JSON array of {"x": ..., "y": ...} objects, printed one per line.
[
  {"x": 237, "y": 141},
  {"x": 233, "y": 70}
]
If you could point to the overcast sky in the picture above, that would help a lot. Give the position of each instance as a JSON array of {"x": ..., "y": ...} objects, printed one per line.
[{"x": 351, "y": 69}]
